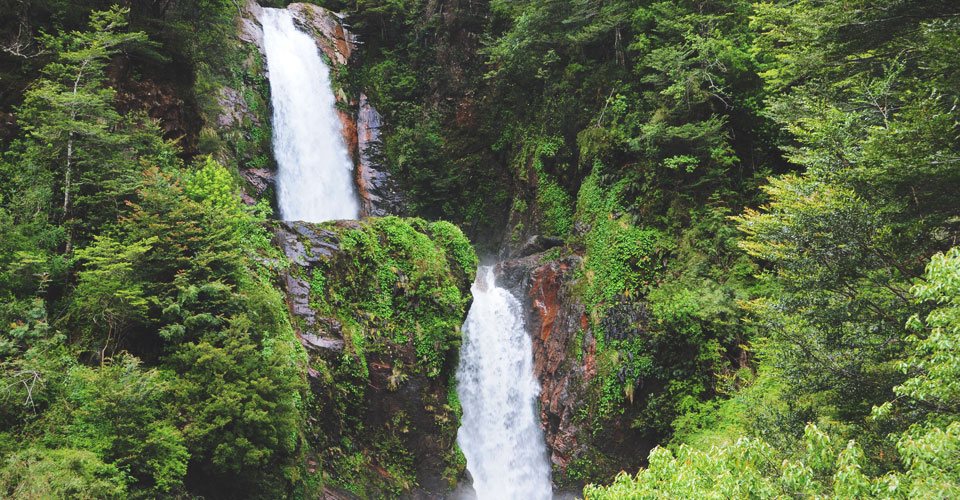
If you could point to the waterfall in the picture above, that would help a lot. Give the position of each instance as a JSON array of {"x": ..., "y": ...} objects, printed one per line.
[
  {"x": 315, "y": 173},
  {"x": 500, "y": 434}
]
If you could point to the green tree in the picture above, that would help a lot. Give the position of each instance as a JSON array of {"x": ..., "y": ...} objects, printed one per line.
[
  {"x": 867, "y": 92},
  {"x": 119, "y": 411},
  {"x": 107, "y": 296},
  {"x": 222, "y": 329},
  {"x": 71, "y": 125},
  {"x": 830, "y": 467}
]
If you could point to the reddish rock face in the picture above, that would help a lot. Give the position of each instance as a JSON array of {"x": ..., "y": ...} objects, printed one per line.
[
  {"x": 555, "y": 320},
  {"x": 565, "y": 363},
  {"x": 158, "y": 98},
  {"x": 349, "y": 131}
]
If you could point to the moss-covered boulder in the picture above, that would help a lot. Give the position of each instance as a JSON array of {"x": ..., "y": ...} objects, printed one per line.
[{"x": 378, "y": 304}]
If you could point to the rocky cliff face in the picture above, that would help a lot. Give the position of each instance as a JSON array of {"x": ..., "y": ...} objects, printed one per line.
[
  {"x": 566, "y": 364},
  {"x": 377, "y": 305}
]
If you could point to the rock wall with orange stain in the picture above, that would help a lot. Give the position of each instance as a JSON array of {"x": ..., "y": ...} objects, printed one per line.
[
  {"x": 566, "y": 365},
  {"x": 563, "y": 348}
]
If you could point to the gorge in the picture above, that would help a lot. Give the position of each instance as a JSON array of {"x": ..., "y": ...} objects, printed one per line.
[
  {"x": 500, "y": 433},
  {"x": 240, "y": 249}
]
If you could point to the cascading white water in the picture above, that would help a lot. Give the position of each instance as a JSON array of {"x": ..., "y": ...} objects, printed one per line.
[
  {"x": 314, "y": 180},
  {"x": 500, "y": 433}
]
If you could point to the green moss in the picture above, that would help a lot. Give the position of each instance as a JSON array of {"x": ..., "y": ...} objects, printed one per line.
[
  {"x": 399, "y": 289},
  {"x": 399, "y": 286},
  {"x": 452, "y": 240},
  {"x": 555, "y": 204}
]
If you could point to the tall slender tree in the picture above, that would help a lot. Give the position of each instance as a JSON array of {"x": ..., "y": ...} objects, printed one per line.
[{"x": 71, "y": 126}]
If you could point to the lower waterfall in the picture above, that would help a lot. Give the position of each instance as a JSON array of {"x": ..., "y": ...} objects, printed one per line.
[
  {"x": 500, "y": 433},
  {"x": 315, "y": 172}
]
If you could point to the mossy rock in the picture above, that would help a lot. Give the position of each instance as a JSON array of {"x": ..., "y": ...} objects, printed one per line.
[{"x": 378, "y": 304}]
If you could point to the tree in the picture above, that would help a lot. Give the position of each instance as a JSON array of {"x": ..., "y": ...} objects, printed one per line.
[
  {"x": 107, "y": 294},
  {"x": 869, "y": 96},
  {"x": 831, "y": 467},
  {"x": 119, "y": 411},
  {"x": 69, "y": 119}
]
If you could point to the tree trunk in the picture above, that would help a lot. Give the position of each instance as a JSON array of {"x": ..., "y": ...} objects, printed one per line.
[
  {"x": 69, "y": 167},
  {"x": 66, "y": 192}
]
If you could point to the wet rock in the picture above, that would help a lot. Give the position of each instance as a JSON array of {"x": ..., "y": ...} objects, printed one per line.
[
  {"x": 248, "y": 29},
  {"x": 314, "y": 342},
  {"x": 536, "y": 244},
  {"x": 260, "y": 178},
  {"x": 554, "y": 317},
  {"x": 304, "y": 244},
  {"x": 298, "y": 298},
  {"x": 514, "y": 275},
  {"x": 565, "y": 358},
  {"x": 379, "y": 195},
  {"x": 234, "y": 109},
  {"x": 348, "y": 128},
  {"x": 335, "y": 42}
]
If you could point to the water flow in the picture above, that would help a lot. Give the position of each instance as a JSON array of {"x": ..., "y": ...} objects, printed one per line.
[
  {"x": 500, "y": 434},
  {"x": 315, "y": 181}
]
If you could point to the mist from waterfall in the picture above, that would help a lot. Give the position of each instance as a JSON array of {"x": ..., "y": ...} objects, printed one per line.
[
  {"x": 500, "y": 433},
  {"x": 315, "y": 172}
]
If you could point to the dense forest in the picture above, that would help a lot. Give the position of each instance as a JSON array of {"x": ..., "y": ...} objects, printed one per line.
[{"x": 755, "y": 207}]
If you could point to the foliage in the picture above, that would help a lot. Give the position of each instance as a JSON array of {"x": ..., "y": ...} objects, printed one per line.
[
  {"x": 146, "y": 351},
  {"x": 404, "y": 283},
  {"x": 107, "y": 296},
  {"x": 935, "y": 361},
  {"x": 70, "y": 126},
  {"x": 62, "y": 473},
  {"x": 169, "y": 367},
  {"x": 845, "y": 239},
  {"x": 226, "y": 336},
  {"x": 119, "y": 413},
  {"x": 830, "y": 468}
]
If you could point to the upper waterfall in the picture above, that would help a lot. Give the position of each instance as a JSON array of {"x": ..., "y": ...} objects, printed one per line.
[
  {"x": 315, "y": 173},
  {"x": 500, "y": 434}
]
